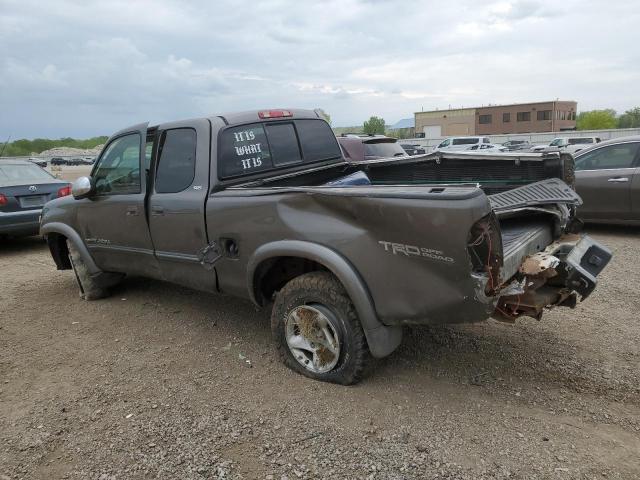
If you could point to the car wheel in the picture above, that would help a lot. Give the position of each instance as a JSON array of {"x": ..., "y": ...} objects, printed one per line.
[
  {"x": 89, "y": 290},
  {"x": 316, "y": 330}
]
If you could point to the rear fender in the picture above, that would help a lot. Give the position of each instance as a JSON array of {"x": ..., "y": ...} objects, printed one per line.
[{"x": 382, "y": 340}]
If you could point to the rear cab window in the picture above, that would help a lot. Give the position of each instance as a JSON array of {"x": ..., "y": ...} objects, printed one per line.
[{"x": 258, "y": 147}]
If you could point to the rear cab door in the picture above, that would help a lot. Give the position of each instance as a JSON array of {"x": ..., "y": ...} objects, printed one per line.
[
  {"x": 603, "y": 179},
  {"x": 176, "y": 203}
]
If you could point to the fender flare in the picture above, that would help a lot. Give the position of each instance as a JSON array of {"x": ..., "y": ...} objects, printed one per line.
[
  {"x": 382, "y": 339},
  {"x": 73, "y": 237}
]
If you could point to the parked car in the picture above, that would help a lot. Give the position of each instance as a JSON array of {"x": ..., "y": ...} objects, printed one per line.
[
  {"x": 483, "y": 147},
  {"x": 24, "y": 189},
  {"x": 608, "y": 181},
  {"x": 460, "y": 143},
  {"x": 413, "y": 149},
  {"x": 262, "y": 205},
  {"x": 58, "y": 161},
  {"x": 517, "y": 145},
  {"x": 569, "y": 145},
  {"x": 369, "y": 147},
  {"x": 39, "y": 161}
]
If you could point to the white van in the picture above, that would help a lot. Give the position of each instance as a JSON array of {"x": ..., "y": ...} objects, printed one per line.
[{"x": 461, "y": 143}]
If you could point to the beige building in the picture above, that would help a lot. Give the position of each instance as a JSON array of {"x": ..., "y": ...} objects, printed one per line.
[{"x": 535, "y": 117}]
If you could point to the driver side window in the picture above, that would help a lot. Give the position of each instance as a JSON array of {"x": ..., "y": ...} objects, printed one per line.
[
  {"x": 118, "y": 171},
  {"x": 609, "y": 157}
]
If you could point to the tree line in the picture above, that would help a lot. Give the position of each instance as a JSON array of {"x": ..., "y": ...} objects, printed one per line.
[
  {"x": 25, "y": 147},
  {"x": 608, "y": 118}
]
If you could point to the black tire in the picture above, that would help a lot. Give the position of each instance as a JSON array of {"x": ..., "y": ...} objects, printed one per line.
[
  {"x": 323, "y": 291},
  {"x": 89, "y": 290}
]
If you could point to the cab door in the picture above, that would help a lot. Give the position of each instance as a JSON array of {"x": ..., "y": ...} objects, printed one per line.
[
  {"x": 176, "y": 204},
  {"x": 112, "y": 220},
  {"x": 603, "y": 179}
]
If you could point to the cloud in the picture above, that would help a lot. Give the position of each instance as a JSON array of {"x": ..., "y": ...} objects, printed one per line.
[{"x": 71, "y": 68}]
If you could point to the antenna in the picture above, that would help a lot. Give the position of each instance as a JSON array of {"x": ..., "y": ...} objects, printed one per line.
[{"x": 5, "y": 144}]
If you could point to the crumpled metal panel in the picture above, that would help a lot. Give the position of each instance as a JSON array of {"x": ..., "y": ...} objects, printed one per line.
[{"x": 550, "y": 191}]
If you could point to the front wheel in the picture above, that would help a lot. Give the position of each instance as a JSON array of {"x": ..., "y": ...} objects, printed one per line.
[
  {"x": 89, "y": 290},
  {"x": 316, "y": 330}
]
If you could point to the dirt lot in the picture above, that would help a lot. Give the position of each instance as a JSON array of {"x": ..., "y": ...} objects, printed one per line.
[{"x": 155, "y": 382}]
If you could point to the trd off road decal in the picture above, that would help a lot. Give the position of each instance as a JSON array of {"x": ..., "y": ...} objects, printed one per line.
[{"x": 413, "y": 251}]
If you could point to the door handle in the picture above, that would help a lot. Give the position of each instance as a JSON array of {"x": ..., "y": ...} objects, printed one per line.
[
  {"x": 132, "y": 210},
  {"x": 618, "y": 180},
  {"x": 157, "y": 210}
]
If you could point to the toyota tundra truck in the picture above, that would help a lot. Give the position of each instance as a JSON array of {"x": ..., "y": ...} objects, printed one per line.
[{"x": 262, "y": 205}]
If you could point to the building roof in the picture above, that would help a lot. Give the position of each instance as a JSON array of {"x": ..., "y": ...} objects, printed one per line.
[{"x": 496, "y": 105}]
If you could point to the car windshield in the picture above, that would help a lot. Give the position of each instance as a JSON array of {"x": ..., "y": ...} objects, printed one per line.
[
  {"x": 556, "y": 143},
  {"x": 383, "y": 149},
  {"x": 465, "y": 141},
  {"x": 18, "y": 174}
]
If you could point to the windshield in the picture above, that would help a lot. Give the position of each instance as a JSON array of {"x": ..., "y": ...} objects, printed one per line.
[
  {"x": 18, "y": 174},
  {"x": 556, "y": 143},
  {"x": 466, "y": 141},
  {"x": 383, "y": 149},
  {"x": 580, "y": 141}
]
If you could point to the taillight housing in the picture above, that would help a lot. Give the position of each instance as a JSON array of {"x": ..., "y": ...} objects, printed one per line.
[
  {"x": 64, "y": 191},
  {"x": 275, "y": 113},
  {"x": 3, "y": 200}
]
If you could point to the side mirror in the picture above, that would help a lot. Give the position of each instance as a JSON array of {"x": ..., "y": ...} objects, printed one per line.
[{"x": 82, "y": 187}]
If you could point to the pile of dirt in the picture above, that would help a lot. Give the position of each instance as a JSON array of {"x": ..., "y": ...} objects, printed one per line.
[{"x": 70, "y": 151}]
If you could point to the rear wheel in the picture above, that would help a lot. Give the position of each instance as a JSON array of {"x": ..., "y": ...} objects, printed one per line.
[
  {"x": 316, "y": 330},
  {"x": 89, "y": 290}
]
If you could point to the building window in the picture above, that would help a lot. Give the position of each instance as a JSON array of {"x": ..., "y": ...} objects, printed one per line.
[
  {"x": 484, "y": 119},
  {"x": 544, "y": 114},
  {"x": 506, "y": 117},
  {"x": 524, "y": 116}
]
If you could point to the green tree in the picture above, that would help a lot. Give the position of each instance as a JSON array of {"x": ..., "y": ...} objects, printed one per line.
[
  {"x": 27, "y": 147},
  {"x": 596, "y": 120},
  {"x": 374, "y": 126},
  {"x": 630, "y": 119}
]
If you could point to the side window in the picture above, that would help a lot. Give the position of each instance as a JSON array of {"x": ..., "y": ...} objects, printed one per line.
[
  {"x": 485, "y": 140},
  {"x": 611, "y": 156},
  {"x": 118, "y": 170},
  {"x": 176, "y": 160},
  {"x": 244, "y": 150},
  {"x": 283, "y": 144}
]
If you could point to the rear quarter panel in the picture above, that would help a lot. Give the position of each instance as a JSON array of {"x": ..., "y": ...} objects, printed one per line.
[{"x": 424, "y": 278}]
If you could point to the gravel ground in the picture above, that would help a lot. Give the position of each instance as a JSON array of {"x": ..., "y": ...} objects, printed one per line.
[{"x": 163, "y": 382}]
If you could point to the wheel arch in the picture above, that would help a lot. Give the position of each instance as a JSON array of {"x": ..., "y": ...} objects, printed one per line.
[
  {"x": 56, "y": 234},
  {"x": 382, "y": 340}
]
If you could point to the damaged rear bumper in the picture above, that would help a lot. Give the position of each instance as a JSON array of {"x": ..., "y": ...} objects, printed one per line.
[{"x": 556, "y": 276}]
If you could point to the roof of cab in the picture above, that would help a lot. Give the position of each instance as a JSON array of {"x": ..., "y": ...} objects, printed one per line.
[
  {"x": 611, "y": 141},
  {"x": 232, "y": 118}
]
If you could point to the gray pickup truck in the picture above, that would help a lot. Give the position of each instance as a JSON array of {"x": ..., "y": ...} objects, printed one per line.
[{"x": 262, "y": 205}]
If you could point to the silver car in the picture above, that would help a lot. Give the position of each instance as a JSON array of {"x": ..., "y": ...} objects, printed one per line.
[{"x": 608, "y": 180}]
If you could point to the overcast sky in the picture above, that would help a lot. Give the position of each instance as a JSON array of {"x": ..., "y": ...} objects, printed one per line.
[{"x": 81, "y": 68}]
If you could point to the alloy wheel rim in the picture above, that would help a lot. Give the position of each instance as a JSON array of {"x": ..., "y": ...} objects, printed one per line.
[{"x": 312, "y": 339}]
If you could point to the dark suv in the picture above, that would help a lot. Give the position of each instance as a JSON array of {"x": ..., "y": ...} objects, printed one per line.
[{"x": 356, "y": 147}]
